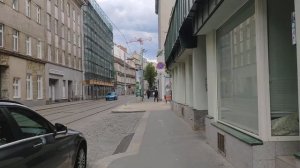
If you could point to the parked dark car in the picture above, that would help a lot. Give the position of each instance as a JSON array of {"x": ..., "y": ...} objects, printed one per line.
[
  {"x": 111, "y": 96},
  {"x": 27, "y": 140}
]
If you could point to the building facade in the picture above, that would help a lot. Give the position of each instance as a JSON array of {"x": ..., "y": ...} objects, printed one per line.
[
  {"x": 63, "y": 49},
  {"x": 235, "y": 75},
  {"x": 163, "y": 9},
  {"x": 125, "y": 73},
  {"x": 98, "y": 52},
  {"x": 22, "y": 59}
]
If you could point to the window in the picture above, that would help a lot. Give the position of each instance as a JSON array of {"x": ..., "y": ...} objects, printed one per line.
[
  {"x": 15, "y": 4},
  {"x": 29, "y": 123},
  {"x": 1, "y": 35},
  {"x": 74, "y": 62},
  {"x": 16, "y": 88},
  {"x": 49, "y": 53},
  {"x": 29, "y": 86},
  {"x": 15, "y": 40},
  {"x": 28, "y": 46},
  {"x": 63, "y": 58},
  {"x": 76, "y": 88},
  {"x": 56, "y": 26},
  {"x": 69, "y": 60},
  {"x": 62, "y": 5},
  {"x": 6, "y": 135},
  {"x": 38, "y": 14},
  {"x": 64, "y": 89},
  {"x": 39, "y": 49},
  {"x": 49, "y": 6},
  {"x": 40, "y": 87},
  {"x": 237, "y": 70},
  {"x": 56, "y": 55},
  {"x": 79, "y": 41},
  {"x": 27, "y": 5},
  {"x": 74, "y": 15},
  {"x": 69, "y": 35},
  {"x": 283, "y": 74},
  {"x": 62, "y": 31},
  {"x": 48, "y": 22},
  {"x": 74, "y": 38},
  {"x": 68, "y": 9}
]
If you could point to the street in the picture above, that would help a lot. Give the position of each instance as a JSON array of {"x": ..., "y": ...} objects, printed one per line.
[{"x": 103, "y": 130}]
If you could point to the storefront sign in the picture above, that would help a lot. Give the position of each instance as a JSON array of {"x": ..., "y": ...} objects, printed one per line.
[{"x": 56, "y": 72}]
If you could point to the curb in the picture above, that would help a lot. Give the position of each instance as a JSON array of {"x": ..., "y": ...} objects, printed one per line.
[
  {"x": 128, "y": 111},
  {"x": 133, "y": 148}
]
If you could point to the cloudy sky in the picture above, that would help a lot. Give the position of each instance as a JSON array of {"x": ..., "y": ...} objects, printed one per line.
[{"x": 135, "y": 19}]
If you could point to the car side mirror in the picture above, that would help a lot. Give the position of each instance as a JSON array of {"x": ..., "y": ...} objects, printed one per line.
[{"x": 60, "y": 129}]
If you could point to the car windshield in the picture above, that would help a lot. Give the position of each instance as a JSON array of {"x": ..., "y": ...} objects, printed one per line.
[{"x": 109, "y": 94}]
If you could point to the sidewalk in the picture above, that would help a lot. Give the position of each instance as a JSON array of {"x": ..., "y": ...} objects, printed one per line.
[{"x": 166, "y": 141}]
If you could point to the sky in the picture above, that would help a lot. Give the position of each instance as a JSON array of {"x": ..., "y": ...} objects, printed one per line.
[{"x": 134, "y": 19}]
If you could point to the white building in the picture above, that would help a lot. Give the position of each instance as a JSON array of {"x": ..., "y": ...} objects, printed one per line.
[
  {"x": 236, "y": 76},
  {"x": 163, "y": 9}
]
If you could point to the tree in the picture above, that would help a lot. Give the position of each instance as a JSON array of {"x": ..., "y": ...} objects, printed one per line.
[{"x": 150, "y": 74}]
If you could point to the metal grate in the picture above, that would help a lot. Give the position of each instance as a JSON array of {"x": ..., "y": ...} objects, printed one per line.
[{"x": 221, "y": 143}]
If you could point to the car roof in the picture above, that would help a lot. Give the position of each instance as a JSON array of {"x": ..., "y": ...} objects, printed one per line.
[{"x": 9, "y": 102}]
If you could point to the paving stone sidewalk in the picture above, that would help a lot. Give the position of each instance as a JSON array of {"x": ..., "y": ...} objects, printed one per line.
[{"x": 166, "y": 141}]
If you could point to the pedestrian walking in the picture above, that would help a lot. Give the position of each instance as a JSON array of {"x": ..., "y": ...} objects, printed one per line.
[
  {"x": 156, "y": 95},
  {"x": 148, "y": 93}
]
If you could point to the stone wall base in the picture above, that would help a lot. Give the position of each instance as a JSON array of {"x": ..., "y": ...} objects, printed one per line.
[
  {"x": 243, "y": 155},
  {"x": 195, "y": 118}
]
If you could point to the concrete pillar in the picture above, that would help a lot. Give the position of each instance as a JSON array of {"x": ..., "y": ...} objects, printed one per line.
[
  {"x": 212, "y": 75},
  {"x": 199, "y": 75},
  {"x": 181, "y": 83},
  {"x": 189, "y": 81},
  {"x": 191, "y": 85},
  {"x": 297, "y": 18}
]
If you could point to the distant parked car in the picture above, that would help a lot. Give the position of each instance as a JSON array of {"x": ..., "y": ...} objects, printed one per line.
[
  {"x": 111, "y": 96},
  {"x": 27, "y": 140}
]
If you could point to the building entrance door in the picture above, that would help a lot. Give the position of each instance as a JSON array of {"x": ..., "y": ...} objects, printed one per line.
[{"x": 70, "y": 90}]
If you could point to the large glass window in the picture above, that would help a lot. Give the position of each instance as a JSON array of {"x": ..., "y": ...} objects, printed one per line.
[
  {"x": 236, "y": 52},
  {"x": 282, "y": 69}
]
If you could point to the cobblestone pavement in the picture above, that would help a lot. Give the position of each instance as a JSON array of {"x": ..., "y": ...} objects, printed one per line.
[{"x": 103, "y": 130}]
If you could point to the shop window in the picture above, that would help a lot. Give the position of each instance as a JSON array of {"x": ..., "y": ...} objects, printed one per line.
[
  {"x": 282, "y": 70},
  {"x": 237, "y": 73}
]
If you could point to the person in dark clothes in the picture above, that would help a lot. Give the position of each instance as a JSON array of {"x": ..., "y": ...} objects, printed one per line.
[
  {"x": 156, "y": 95},
  {"x": 148, "y": 93}
]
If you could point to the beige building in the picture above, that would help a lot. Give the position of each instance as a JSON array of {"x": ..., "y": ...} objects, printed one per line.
[
  {"x": 63, "y": 49},
  {"x": 22, "y": 63},
  {"x": 124, "y": 76},
  {"x": 40, "y": 50}
]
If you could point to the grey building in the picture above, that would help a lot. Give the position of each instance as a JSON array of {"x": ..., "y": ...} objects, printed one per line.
[
  {"x": 63, "y": 50},
  {"x": 235, "y": 71},
  {"x": 98, "y": 63}
]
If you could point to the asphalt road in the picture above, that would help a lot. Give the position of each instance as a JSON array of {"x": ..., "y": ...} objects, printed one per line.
[{"x": 103, "y": 130}]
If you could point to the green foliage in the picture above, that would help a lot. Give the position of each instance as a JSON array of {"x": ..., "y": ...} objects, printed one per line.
[{"x": 150, "y": 74}]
